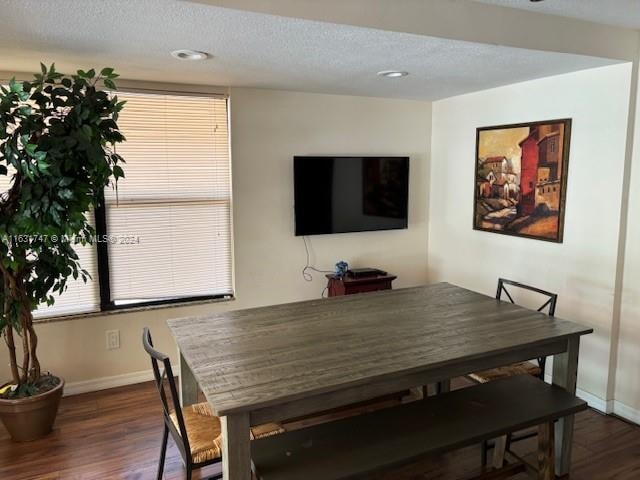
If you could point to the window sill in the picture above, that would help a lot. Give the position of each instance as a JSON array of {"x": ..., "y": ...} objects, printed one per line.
[{"x": 132, "y": 309}]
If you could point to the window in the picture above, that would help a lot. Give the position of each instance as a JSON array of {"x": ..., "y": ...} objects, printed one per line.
[
  {"x": 165, "y": 235},
  {"x": 169, "y": 223},
  {"x": 79, "y": 297}
]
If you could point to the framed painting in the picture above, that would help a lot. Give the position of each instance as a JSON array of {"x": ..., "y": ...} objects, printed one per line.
[{"x": 521, "y": 179}]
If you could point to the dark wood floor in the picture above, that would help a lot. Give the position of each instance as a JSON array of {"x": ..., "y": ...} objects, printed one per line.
[{"x": 115, "y": 434}]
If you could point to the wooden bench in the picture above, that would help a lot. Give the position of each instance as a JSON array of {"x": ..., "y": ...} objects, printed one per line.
[{"x": 360, "y": 445}]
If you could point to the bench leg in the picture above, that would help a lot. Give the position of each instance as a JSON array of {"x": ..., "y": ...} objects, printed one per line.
[
  {"x": 484, "y": 450},
  {"x": 546, "y": 452},
  {"x": 499, "y": 450}
]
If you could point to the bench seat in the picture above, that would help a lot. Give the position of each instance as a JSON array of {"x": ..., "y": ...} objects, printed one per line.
[{"x": 355, "y": 446}]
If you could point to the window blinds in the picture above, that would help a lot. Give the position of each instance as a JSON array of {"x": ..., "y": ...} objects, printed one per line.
[
  {"x": 169, "y": 223},
  {"x": 79, "y": 297}
]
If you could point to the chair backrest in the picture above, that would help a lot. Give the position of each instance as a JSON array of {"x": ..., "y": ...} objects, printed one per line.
[
  {"x": 163, "y": 376},
  {"x": 550, "y": 303}
]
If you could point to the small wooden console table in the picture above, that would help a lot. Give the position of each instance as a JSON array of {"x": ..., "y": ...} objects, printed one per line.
[{"x": 347, "y": 285}]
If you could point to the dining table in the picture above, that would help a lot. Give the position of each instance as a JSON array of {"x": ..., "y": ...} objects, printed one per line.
[{"x": 273, "y": 363}]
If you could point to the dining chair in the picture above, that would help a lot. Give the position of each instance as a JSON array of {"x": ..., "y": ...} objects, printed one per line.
[
  {"x": 537, "y": 369},
  {"x": 195, "y": 429},
  {"x": 521, "y": 368}
]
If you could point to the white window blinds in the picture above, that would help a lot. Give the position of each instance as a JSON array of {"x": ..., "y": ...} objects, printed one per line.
[
  {"x": 79, "y": 297},
  {"x": 169, "y": 226}
]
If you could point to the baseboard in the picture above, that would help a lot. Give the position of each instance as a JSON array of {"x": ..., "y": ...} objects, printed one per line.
[
  {"x": 626, "y": 412},
  {"x": 85, "y": 386},
  {"x": 592, "y": 400},
  {"x": 607, "y": 406},
  {"x": 595, "y": 402}
]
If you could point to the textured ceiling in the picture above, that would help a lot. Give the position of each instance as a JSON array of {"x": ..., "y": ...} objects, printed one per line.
[
  {"x": 257, "y": 50},
  {"x": 622, "y": 13}
]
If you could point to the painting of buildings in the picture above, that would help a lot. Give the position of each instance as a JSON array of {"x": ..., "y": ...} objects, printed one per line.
[{"x": 521, "y": 179}]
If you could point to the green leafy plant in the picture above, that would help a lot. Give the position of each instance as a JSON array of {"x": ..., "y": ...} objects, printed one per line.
[{"x": 57, "y": 147}]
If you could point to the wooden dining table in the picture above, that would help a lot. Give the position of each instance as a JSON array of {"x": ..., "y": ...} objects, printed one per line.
[{"x": 273, "y": 363}]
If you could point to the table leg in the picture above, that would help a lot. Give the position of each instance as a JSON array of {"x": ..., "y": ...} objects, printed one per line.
[
  {"x": 444, "y": 386},
  {"x": 565, "y": 375},
  {"x": 429, "y": 390},
  {"x": 236, "y": 448},
  {"x": 188, "y": 384}
]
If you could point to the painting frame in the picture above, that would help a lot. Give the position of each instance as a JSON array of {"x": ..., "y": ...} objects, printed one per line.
[{"x": 563, "y": 181}]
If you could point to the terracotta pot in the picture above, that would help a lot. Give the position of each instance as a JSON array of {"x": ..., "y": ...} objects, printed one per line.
[{"x": 30, "y": 418}]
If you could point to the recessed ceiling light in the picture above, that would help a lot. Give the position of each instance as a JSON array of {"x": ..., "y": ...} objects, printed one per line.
[
  {"x": 189, "y": 55},
  {"x": 392, "y": 74}
]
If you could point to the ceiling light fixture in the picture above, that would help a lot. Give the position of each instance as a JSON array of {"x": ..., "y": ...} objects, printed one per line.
[
  {"x": 392, "y": 74},
  {"x": 185, "y": 54}
]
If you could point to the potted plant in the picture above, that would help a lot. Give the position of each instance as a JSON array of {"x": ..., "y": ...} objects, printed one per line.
[{"x": 57, "y": 138}]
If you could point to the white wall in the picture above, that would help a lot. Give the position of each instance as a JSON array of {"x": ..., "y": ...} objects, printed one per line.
[
  {"x": 581, "y": 270},
  {"x": 268, "y": 128},
  {"x": 627, "y": 382}
]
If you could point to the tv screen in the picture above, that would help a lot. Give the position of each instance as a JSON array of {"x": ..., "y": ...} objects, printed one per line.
[{"x": 350, "y": 194}]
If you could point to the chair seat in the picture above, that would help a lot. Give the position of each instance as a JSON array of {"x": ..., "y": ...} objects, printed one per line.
[
  {"x": 523, "y": 368},
  {"x": 205, "y": 433}
]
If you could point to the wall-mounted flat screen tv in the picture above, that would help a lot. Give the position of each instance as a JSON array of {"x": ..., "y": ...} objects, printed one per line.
[{"x": 350, "y": 194}]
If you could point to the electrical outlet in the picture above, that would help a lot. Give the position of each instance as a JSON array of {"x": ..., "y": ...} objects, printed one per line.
[{"x": 113, "y": 339}]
